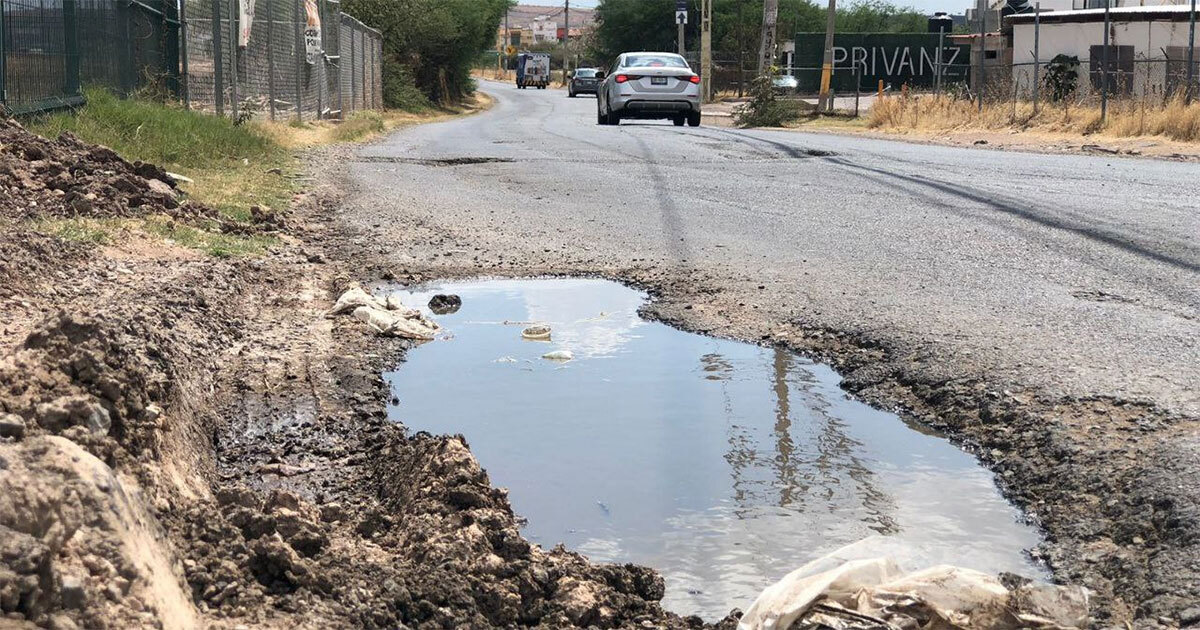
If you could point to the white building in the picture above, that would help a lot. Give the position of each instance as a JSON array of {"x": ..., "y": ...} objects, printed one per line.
[
  {"x": 1147, "y": 47},
  {"x": 544, "y": 29}
]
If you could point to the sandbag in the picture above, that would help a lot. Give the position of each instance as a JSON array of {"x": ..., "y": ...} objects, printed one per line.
[
  {"x": 397, "y": 323},
  {"x": 860, "y": 594}
]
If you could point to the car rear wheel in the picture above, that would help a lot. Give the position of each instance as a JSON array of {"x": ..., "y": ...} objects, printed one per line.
[
  {"x": 678, "y": 120},
  {"x": 693, "y": 119},
  {"x": 570, "y": 93},
  {"x": 601, "y": 118}
]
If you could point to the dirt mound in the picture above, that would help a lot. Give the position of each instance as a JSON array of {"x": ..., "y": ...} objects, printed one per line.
[{"x": 68, "y": 177}]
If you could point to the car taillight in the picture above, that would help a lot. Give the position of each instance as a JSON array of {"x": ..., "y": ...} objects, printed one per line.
[
  {"x": 695, "y": 78},
  {"x": 621, "y": 78}
]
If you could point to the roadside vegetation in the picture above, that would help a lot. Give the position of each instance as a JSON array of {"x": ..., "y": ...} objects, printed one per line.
[
  {"x": 1174, "y": 119},
  {"x": 637, "y": 24},
  {"x": 429, "y": 46}
]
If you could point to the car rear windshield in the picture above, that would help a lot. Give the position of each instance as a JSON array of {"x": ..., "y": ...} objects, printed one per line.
[
  {"x": 654, "y": 61},
  {"x": 585, "y": 74}
]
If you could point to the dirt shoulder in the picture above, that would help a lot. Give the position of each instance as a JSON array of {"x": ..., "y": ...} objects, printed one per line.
[
  {"x": 720, "y": 114},
  {"x": 188, "y": 441}
]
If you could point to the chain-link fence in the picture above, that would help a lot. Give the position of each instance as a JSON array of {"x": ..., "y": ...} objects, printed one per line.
[
  {"x": 244, "y": 58},
  {"x": 53, "y": 47},
  {"x": 299, "y": 58}
]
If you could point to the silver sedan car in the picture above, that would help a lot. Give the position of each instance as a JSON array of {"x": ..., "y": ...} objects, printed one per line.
[{"x": 649, "y": 85}]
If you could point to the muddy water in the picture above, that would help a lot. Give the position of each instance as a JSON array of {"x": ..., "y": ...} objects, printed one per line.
[{"x": 721, "y": 464}]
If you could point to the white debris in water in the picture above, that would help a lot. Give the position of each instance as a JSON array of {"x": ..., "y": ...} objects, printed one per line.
[
  {"x": 537, "y": 332},
  {"x": 505, "y": 360},
  {"x": 559, "y": 355}
]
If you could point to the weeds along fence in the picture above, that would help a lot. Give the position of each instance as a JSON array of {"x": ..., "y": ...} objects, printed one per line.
[{"x": 300, "y": 59}]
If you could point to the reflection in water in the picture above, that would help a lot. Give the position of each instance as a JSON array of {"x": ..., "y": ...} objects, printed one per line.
[{"x": 723, "y": 465}]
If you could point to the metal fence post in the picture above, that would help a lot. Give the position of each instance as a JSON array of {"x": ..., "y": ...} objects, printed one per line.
[
  {"x": 218, "y": 62},
  {"x": 299, "y": 30},
  {"x": 185, "y": 79},
  {"x": 1191, "y": 54},
  {"x": 340, "y": 100},
  {"x": 234, "y": 53},
  {"x": 857, "y": 88},
  {"x": 270, "y": 56},
  {"x": 362, "y": 56},
  {"x": 983, "y": 9},
  {"x": 937, "y": 75},
  {"x": 3, "y": 59},
  {"x": 70, "y": 47},
  {"x": 353, "y": 74},
  {"x": 1037, "y": 25},
  {"x": 1104, "y": 68}
]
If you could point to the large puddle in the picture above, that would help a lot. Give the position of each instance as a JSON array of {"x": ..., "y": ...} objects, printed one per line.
[{"x": 723, "y": 465}]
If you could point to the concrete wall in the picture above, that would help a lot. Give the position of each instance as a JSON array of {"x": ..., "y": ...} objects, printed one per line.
[{"x": 1149, "y": 40}]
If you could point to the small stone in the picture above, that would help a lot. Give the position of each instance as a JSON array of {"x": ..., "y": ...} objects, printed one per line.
[
  {"x": 1190, "y": 616},
  {"x": 12, "y": 425},
  {"x": 445, "y": 304},
  {"x": 72, "y": 593}
]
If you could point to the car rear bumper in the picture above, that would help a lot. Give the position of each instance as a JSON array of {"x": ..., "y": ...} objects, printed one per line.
[
  {"x": 584, "y": 89},
  {"x": 638, "y": 107}
]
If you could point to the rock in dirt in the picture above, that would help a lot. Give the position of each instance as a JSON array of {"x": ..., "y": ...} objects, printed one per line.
[
  {"x": 442, "y": 304},
  {"x": 12, "y": 425}
]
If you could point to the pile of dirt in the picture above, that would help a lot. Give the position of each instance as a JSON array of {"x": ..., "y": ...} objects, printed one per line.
[{"x": 41, "y": 178}]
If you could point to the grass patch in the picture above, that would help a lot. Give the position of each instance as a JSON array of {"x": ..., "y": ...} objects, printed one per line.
[
  {"x": 1173, "y": 119},
  {"x": 211, "y": 243},
  {"x": 79, "y": 230},
  {"x": 359, "y": 125}
]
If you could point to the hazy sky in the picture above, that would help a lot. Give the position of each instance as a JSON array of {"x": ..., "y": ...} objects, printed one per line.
[{"x": 927, "y": 6}]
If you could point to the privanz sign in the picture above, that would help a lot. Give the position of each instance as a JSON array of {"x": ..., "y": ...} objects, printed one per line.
[{"x": 897, "y": 59}]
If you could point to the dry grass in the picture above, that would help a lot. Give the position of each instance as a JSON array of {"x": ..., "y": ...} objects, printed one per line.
[
  {"x": 361, "y": 126},
  {"x": 1174, "y": 120}
]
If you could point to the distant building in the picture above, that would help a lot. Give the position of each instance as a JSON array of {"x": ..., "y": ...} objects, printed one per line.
[{"x": 529, "y": 24}]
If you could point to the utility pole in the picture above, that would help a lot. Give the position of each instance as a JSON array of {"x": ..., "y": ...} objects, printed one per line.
[
  {"x": 825, "y": 102},
  {"x": 566, "y": 38},
  {"x": 706, "y": 82},
  {"x": 507, "y": 43},
  {"x": 766, "y": 51}
]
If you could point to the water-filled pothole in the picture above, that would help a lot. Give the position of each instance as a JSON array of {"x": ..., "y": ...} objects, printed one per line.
[{"x": 723, "y": 465}]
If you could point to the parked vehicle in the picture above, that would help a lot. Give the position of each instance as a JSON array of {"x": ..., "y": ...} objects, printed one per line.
[
  {"x": 784, "y": 84},
  {"x": 583, "y": 81},
  {"x": 649, "y": 85},
  {"x": 533, "y": 69}
]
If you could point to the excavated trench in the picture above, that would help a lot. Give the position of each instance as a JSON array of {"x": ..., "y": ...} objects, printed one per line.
[{"x": 722, "y": 465}]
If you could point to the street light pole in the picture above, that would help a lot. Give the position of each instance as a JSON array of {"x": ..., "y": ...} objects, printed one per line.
[{"x": 1104, "y": 68}]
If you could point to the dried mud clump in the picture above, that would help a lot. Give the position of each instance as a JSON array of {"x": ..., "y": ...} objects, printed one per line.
[{"x": 70, "y": 178}]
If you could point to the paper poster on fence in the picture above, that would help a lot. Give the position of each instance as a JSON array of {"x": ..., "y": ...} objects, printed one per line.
[
  {"x": 245, "y": 21},
  {"x": 312, "y": 32}
]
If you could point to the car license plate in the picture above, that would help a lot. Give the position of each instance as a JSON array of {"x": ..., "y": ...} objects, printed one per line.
[{"x": 658, "y": 80}]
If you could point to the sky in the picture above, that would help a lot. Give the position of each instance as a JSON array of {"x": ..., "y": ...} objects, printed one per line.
[{"x": 927, "y": 6}]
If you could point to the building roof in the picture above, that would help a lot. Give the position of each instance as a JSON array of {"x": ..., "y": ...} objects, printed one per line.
[{"x": 1161, "y": 13}]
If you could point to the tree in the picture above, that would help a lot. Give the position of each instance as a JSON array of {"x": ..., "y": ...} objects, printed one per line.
[
  {"x": 649, "y": 24},
  {"x": 429, "y": 45}
]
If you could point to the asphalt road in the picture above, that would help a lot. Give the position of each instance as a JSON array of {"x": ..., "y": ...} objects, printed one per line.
[{"x": 1064, "y": 275}]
